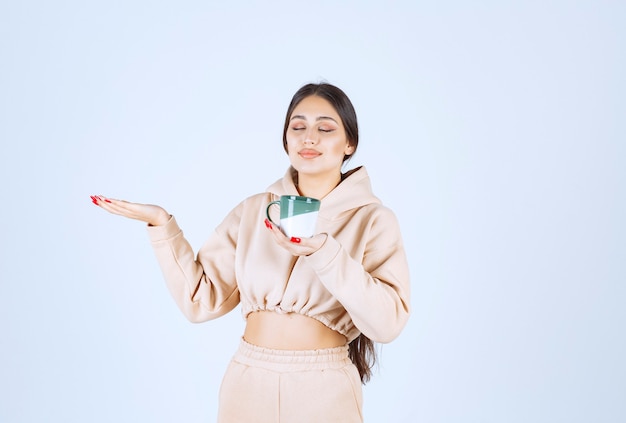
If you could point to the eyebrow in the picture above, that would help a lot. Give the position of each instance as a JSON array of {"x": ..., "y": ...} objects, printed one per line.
[{"x": 316, "y": 119}]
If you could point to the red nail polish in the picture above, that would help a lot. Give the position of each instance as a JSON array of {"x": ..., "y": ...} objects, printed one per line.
[
  {"x": 107, "y": 200},
  {"x": 296, "y": 240},
  {"x": 268, "y": 224}
]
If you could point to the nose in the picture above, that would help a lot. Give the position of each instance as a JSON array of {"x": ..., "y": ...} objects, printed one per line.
[{"x": 311, "y": 136}]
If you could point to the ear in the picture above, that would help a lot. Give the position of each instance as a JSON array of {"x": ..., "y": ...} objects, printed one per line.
[{"x": 349, "y": 150}]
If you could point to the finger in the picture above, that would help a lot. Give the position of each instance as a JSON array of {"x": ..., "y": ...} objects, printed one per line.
[
  {"x": 274, "y": 229},
  {"x": 118, "y": 207},
  {"x": 106, "y": 203},
  {"x": 306, "y": 246},
  {"x": 294, "y": 245},
  {"x": 278, "y": 235}
]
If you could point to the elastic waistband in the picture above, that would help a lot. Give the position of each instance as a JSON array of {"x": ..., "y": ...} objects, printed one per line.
[{"x": 291, "y": 360}]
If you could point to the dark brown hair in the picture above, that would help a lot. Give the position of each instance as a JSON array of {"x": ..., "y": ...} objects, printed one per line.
[
  {"x": 361, "y": 350},
  {"x": 340, "y": 102}
]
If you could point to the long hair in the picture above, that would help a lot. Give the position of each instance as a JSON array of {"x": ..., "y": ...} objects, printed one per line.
[{"x": 361, "y": 350}]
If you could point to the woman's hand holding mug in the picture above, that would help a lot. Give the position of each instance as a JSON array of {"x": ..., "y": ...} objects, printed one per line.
[
  {"x": 298, "y": 218},
  {"x": 295, "y": 245}
]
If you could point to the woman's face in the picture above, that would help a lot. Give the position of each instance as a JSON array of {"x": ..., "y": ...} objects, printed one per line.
[{"x": 316, "y": 138}]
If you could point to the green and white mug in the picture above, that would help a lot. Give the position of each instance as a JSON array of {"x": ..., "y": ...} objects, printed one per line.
[{"x": 298, "y": 215}]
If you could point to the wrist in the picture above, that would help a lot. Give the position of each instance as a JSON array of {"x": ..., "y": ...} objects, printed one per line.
[
  {"x": 320, "y": 240},
  {"x": 161, "y": 219}
]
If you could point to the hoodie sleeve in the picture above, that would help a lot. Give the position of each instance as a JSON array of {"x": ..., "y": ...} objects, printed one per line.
[
  {"x": 375, "y": 291},
  {"x": 203, "y": 287}
]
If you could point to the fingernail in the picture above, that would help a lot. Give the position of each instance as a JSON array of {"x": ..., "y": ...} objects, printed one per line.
[
  {"x": 296, "y": 240},
  {"x": 94, "y": 200},
  {"x": 268, "y": 224},
  {"x": 107, "y": 200}
]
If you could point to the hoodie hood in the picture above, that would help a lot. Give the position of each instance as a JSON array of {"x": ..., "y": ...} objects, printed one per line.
[{"x": 355, "y": 190}]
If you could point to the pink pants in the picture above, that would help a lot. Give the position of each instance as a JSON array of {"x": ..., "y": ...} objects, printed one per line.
[{"x": 263, "y": 385}]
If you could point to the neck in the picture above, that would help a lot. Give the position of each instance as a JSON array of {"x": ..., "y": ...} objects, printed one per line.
[{"x": 317, "y": 186}]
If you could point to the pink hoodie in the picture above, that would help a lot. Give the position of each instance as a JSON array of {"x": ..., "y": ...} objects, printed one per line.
[{"x": 358, "y": 281}]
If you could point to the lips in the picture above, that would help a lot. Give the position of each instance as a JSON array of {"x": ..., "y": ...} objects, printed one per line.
[{"x": 308, "y": 153}]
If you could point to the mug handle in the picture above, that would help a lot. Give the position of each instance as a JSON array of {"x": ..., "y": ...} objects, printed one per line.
[{"x": 267, "y": 211}]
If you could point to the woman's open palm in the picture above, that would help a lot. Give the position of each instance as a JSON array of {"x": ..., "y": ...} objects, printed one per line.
[{"x": 149, "y": 213}]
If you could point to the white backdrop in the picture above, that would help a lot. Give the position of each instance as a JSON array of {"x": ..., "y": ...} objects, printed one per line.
[{"x": 495, "y": 130}]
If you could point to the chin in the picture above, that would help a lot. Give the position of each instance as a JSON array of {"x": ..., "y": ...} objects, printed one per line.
[{"x": 314, "y": 167}]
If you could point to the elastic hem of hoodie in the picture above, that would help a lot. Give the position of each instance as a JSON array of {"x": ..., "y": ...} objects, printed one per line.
[{"x": 349, "y": 332}]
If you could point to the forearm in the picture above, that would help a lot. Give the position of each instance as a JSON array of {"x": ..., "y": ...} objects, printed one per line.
[
  {"x": 377, "y": 300},
  {"x": 199, "y": 296}
]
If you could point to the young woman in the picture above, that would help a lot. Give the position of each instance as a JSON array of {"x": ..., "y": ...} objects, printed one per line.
[{"x": 313, "y": 306}]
